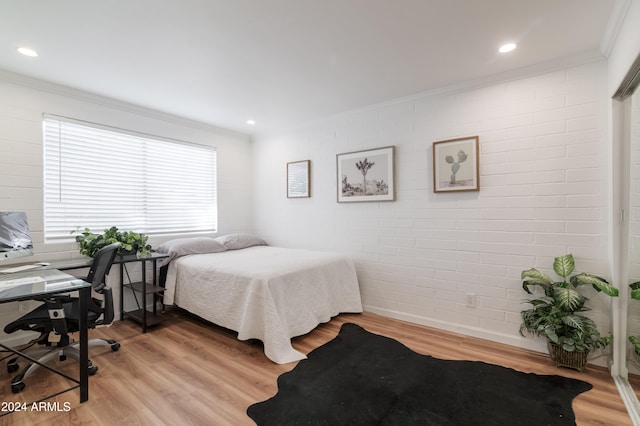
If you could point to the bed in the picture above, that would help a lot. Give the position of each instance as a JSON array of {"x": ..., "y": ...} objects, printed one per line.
[{"x": 261, "y": 292}]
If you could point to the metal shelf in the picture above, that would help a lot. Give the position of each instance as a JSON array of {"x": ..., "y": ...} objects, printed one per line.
[
  {"x": 144, "y": 287},
  {"x": 151, "y": 318}
]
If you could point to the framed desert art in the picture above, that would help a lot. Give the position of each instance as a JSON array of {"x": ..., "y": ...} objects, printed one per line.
[
  {"x": 298, "y": 185},
  {"x": 456, "y": 165},
  {"x": 366, "y": 175}
]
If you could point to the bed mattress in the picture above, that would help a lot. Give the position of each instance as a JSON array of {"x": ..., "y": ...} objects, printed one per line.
[{"x": 266, "y": 293}]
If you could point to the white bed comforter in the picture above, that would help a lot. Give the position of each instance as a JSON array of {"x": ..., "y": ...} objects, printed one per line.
[{"x": 266, "y": 293}]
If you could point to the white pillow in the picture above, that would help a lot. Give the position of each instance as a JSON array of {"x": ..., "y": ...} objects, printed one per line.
[
  {"x": 183, "y": 246},
  {"x": 240, "y": 241}
]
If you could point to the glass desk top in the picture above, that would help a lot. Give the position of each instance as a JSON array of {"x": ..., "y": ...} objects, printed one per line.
[{"x": 36, "y": 284}]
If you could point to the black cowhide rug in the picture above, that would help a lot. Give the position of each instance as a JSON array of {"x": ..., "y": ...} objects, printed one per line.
[{"x": 361, "y": 378}]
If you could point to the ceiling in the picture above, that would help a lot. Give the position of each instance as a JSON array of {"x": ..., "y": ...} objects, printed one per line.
[{"x": 286, "y": 62}]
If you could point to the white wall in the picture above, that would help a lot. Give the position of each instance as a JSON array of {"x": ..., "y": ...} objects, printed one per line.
[
  {"x": 544, "y": 193},
  {"x": 22, "y": 103}
]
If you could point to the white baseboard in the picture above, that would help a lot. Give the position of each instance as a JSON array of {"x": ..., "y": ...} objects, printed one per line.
[{"x": 533, "y": 344}]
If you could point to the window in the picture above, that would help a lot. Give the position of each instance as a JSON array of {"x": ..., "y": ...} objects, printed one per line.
[{"x": 98, "y": 177}]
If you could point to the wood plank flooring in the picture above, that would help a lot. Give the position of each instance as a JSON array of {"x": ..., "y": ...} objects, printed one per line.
[{"x": 189, "y": 372}]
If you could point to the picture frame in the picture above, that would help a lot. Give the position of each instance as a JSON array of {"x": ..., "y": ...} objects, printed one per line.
[
  {"x": 367, "y": 175},
  {"x": 456, "y": 165},
  {"x": 298, "y": 179}
]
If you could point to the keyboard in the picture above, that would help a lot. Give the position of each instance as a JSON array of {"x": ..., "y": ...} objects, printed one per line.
[
  {"x": 20, "y": 281},
  {"x": 18, "y": 269}
]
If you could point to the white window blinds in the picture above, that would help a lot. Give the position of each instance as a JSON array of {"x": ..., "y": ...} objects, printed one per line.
[{"x": 98, "y": 177}]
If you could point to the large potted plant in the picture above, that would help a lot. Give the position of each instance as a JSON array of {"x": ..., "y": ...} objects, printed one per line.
[
  {"x": 557, "y": 314},
  {"x": 130, "y": 242}
]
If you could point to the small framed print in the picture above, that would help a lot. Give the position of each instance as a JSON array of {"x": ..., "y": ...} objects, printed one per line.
[
  {"x": 456, "y": 165},
  {"x": 366, "y": 175},
  {"x": 298, "y": 179}
]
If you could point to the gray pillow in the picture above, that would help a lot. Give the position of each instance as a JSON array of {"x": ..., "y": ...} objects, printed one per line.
[
  {"x": 240, "y": 241},
  {"x": 184, "y": 246}
]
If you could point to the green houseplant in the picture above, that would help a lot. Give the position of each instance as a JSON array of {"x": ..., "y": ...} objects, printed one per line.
[
  {"x": 557, "y": 315},
  {"x": 635, "y": 295},
  {"x": 130, "y": 242}
]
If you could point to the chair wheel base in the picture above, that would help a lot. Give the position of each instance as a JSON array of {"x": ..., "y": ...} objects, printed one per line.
[
  {"x": 12, "y": 367},
  {"x": 115, "y": 347},
  {"x": 17, "y": 387},
  {"x": 93, "y": 369}
]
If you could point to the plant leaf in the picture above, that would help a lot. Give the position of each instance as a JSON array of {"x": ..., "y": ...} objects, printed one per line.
[
  {"x": 568, "y": 298},
  {"x": 573, "y": 321},
  {"x": 551, "y": 335},
  {"x": 636, "y": 344},
  {"x": 541, "y": 302},
  {"x": 564, "y": 265},
  {"x": 607, "y": 339},
  {"x": 635, "y": 290},
  {"x": 534, "y": 277},
  {"x": 598, "y": 283}
]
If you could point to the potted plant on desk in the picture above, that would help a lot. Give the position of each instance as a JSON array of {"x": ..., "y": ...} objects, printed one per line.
[
  {"x": 130, "y": 242},
  {"x": 557, "y": 315}
]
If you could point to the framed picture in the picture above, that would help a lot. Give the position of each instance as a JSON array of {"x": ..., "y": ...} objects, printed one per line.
[
  {"x": 298, "y": 179},
  {"x": 456, "y": 165},
  {"x": 366, "y": 175}
]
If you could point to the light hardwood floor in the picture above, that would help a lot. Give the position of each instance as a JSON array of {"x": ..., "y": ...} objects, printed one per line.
[{"x": 189, "y": 372}]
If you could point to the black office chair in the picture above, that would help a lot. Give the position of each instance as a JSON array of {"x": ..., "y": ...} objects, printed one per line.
[{"x": 54, "y": 330}]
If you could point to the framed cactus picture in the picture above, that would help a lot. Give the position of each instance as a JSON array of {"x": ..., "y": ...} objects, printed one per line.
[
  {"x": 366, "y": 175},
  {"x": 456, "y": 165}
]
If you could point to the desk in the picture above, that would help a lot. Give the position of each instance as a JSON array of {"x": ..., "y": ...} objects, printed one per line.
[
  {"x": 55, "y": 282},
  {"x": 144, "y": 287}
]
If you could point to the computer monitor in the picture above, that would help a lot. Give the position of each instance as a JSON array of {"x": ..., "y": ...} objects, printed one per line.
[{"x": 15, "y": 239}]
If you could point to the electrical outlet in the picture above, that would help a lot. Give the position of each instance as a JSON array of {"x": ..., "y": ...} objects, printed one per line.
[{"x": 471, "y": 300}]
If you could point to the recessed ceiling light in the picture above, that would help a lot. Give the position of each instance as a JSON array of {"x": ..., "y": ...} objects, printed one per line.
[
  {"x": 507, "y": 47},
  {"x": 27, "y": 52},
  {"x": 251, "y": 122}
]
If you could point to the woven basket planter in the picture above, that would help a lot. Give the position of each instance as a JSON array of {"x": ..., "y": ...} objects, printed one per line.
[{"x": 562, "y": 358}]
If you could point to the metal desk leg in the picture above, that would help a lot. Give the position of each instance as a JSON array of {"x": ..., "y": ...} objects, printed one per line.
[
  {"x": 144, "y": 296},
  {"x": 154, "y": 282},
  {"x": 84, "y": 344},
  {"x": 121, "y": 291}
]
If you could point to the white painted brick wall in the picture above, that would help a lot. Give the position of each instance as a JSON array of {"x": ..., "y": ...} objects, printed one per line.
[{"x": 543, "y": 165}]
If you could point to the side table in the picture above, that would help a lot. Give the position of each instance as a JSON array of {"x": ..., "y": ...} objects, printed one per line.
[{"x": 143, "y": 315}]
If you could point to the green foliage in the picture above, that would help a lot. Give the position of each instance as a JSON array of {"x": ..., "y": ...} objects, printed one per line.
[
  {"x": 635, "y": 343},
  {"x": 635, "y": 294},
  {"x": 558, "y": 314},
  {"x": 635, "y": 290},
  {"x": 89, "y": 243}
]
